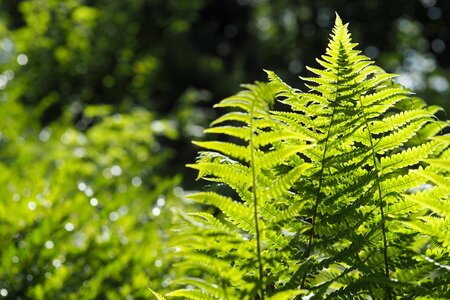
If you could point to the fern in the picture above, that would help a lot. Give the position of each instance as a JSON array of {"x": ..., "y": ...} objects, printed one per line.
[{"x": 344, "y": 194}]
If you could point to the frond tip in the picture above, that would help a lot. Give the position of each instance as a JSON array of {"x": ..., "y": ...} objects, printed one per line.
[{"x": 158, "y": 296}]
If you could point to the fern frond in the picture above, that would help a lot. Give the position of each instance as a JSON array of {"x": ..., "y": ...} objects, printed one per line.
[
  {"x": 234, "y": 116},
  {"x": 239, "y": 214},
  {"x": 301, "y": 123},
  {"x": 378, "y": 102},
  {"x": 276, "y": 157},
  {"x": 395, "y": 121},
  {"x": 234, "y": 174},
  {"x": 432, "y": 198},
  {"x": 211, "y": 265},
  {"x": 191, "y": 294},
  {"x": 272, "y": 137},
  {"x": 346, "y": 195},
  {"x": 290, "y": 213},
  {"x": 406, "y": 158},
  {"x": 238, "y": 132},
  {"x": 396, "y": 139},
  {"x": 434, "y": 177},
  {"x": 230, "y": 149},
  {"x": 432, "y": 226},
  {"x": 212, "y": 289},
  {"x": 442, "y": 163},
  {"x": 284, "y": 183},
  {"x": 158, "y": 296},
  {"x": 286, "y": 295}
]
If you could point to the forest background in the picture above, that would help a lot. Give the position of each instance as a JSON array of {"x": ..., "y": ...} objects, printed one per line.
[{"x": 100, "y": 100}]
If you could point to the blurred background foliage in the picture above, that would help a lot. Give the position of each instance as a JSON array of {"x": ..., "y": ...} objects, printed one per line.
[
  {"x": 99, "y": 101},
  {"x": 82, "y": 212}
]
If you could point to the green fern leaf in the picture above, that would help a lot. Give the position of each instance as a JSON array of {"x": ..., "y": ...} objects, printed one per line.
[
  {"x": 233, "y": 150},
  {"x": 406, "y": 158},
  {"x": 238, "y": 213},
  {"x": 191, "y": 294},
  {"x": 285, "y": 295},
  {"x": 203, "y": 285},
  {"x": 158, "y": 296}
]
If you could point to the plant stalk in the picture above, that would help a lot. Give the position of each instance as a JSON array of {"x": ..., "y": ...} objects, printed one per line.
[
  {"x": 380, "y": 197},
  {"x": 322, "y": 170},
  {"x": 255, "y": 204}
]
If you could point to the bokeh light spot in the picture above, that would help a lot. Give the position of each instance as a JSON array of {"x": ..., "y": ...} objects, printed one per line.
[
  {"x": 295, "y": 66},
  {"x": 82, "y": 186},
  {"x": 156, "y": 211},
  {"x": 31, "y": 205},
  {"x": 69, "y": 227},
  {"x": 438, "y": 45},
  {"x": 56, "y": 263},
  {"x": 44, "y": 134},
  {"x": 22, "y": 59},
  {"x": 428, "y": 3},
  {"x": 161, "y": 201},
  {"x": 116, "y": 170},
  {"x": 434, "y": 13},
  {"x": 113, "y": 216},
  {"x": 372, "y": 51},
  {"x": 158, "y": 263},
  {"x": 438, "y": 83},
  {"x": 136, "y": 181},
  {"x": 49, "y": 244},
  {"x": 93, "y": 201}
]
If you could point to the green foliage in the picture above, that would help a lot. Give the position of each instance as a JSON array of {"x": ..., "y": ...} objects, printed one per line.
[
  {"x": 81, "y": 212},
  {"x": 343, "y": 196},
  {"x": 93, "y": 52}
]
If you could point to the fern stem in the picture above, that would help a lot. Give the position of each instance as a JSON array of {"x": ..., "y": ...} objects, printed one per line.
[
  {"x": 322, "y": 170},
  {"x": 380, "y": 197},
  {"x": 255, "y": 204},
  {"x": 316, "y": 204}
]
